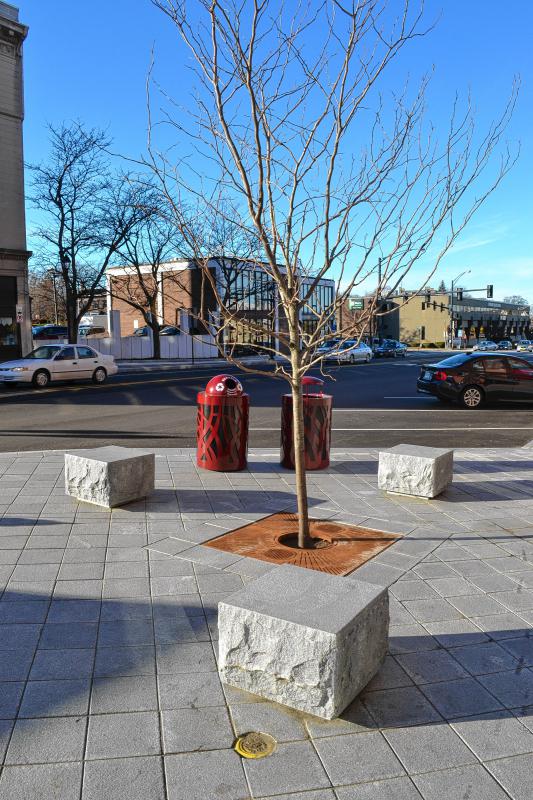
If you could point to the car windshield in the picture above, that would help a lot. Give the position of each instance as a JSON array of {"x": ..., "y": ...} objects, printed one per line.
[
  {"x": 45, "y": 352},
  {"x": 454, "y": 361}
]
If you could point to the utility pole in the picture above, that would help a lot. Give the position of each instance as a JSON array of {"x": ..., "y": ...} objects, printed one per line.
[
  {"x": 378, "y": 300},
  {"x": 452, "y": 317}
]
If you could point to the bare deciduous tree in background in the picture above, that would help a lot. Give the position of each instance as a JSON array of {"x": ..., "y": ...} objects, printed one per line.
[
  {"x": 324, "y": 166},
  {"x": 144, "y": 256},
  {"x": 87, "y": 214}
]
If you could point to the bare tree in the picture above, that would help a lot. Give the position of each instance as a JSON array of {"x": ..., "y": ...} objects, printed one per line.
[
  {"x": 88, "y": 214},
  {"x": 327, "y": 172},
  {"x": 47, "y": 295},
  {"x": 144, "y": 257},
  {"x": 516, "y": 299}
]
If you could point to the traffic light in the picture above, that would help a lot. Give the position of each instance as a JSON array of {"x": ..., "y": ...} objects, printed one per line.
[
  {"x": 459, "y": 294},
  {"x": 490, "y": 290}
]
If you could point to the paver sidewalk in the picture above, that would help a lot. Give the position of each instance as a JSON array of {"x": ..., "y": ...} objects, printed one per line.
[{"x": 108, "y": 682}]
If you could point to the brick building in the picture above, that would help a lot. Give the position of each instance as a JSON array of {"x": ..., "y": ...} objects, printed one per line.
[
  {"x": 15, "y": 314},
  {"x": 246, "y": 288}
]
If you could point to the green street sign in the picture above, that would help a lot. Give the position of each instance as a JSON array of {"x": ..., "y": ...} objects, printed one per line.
[{"x": 355, "y": 304}]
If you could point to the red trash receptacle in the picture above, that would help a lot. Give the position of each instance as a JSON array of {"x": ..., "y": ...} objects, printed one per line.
[
  {"x": 317, "y": 426},
  {"x": 222, "y": 425}
]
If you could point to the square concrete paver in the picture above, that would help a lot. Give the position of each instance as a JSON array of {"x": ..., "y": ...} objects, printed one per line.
[
  {"x": 134, "y": 693},
  {"x": 55, "y": 698},
  {"x": 50, "y": 781},
  {"x": 193, "y": 729},
  {"x": 471, "y": 782},
  {"x": 214, "y": 774},
  {"x": 116, "y": 735},
  {"x": 422, "y": 747},
  {"x": 47, "y": 740},
  {"x": 358, "y": 757},
  {"x": 515, "y": 775},
  {"x": 391, "y": 789},
  {"x": 293, "y": 767},
  {"x": 124, "y": 779},
  {"x": 400, "y": 707}
]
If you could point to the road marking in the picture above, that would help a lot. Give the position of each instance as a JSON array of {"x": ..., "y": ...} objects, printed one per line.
[{"x": 463, "y": 428}]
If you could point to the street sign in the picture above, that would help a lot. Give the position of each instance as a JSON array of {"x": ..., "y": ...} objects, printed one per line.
[
  {"x": 355, "y": 304},
  {"x": 19, "y": 314}
]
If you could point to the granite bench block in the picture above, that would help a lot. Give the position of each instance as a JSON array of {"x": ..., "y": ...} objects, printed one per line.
[
  {"x": 303, "y": 638},
  {"x": 411, "y": 469},
  {"x": 109, "y": 476}
]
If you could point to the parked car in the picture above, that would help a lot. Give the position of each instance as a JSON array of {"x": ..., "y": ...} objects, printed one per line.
[
  {"x": 349, "y": 352},
  {"x": 524, "y": 345},
  {"x": 471, "y": 379},
  {"x": 505, "y": 344},
  {"x": 56, "y": 362},
  {"x": 327, "y": 347},
  {"x": 168, "y": 330},
  {"x": 486, "y": 344},
  {"x": 390, "y": 348},
  {"x": 50, "y": 332},
  {"x": 90, "y": 330}
]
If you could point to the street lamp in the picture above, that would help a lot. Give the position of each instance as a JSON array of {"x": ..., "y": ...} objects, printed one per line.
[
  {"x": 452, "y": 322},
  {"x": 52, "y": 275}
]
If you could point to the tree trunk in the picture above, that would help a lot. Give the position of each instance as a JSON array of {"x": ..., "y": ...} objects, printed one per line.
[
  {"x": 156, "y": 340},
  {"x": 304, "y": 538},
  {"x": 72, "y": 319}
]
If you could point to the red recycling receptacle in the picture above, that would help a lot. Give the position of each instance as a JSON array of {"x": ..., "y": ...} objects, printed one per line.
[
  {"x": 317, "y": 426},
  {"x": 222, "y": 425}
]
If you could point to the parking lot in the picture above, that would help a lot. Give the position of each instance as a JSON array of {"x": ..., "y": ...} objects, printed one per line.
[{"x": 375, "y": 405}]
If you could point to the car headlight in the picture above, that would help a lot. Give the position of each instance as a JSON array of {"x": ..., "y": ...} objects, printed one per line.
[{"x": 19, "y": 369}]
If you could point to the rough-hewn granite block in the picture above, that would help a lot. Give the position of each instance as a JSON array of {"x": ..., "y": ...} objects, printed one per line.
[
  {"x": 415, "y": 470},
  {"x": 109, "y": 476},
  {"x": 303, "y": 638}
]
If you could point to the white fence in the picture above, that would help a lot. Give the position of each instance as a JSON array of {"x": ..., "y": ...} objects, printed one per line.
[{"x": 186, "y": 347}]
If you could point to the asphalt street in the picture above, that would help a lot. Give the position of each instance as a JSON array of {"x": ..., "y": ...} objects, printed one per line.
[{"x": 375, "y": 405}]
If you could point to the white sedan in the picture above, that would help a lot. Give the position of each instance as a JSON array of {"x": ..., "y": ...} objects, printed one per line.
[
  {"x": 349, "y": 352},
  {"x": 58, "y": 362}
]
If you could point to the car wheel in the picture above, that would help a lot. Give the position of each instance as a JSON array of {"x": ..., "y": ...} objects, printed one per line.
[
  {"x": 41, "y": 379},
  {"x": 352, "y": 359},
  {"x": 99, "y": 375},
  {"x": 472, "y": 397},
  {"x": 368, "y": 358}
]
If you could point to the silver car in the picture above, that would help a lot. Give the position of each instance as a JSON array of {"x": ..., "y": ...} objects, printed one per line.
[
  {"x": 57, "y": 362},
  {"x": 349, "y": 352}
]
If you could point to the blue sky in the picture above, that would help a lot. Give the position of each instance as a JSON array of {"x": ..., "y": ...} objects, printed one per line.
[{"x": 88, "y": 59}]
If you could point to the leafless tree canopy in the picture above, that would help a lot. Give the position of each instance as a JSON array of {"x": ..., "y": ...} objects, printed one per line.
[
  {"x": 88, "y": 213},
  {"x": 324, "y": 174},
  {"x": 326, "y": 168}
]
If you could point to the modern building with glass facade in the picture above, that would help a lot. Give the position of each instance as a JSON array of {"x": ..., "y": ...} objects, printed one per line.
[
  {"x": 246, "y": 291},
  {"x": 15, "y": 314}
]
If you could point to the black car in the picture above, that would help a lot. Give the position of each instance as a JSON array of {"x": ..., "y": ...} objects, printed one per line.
[
  {"x": 471, "y": 379},
  {"x": 50, "y": 332},
  {"x": 390, "y": 348}
]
